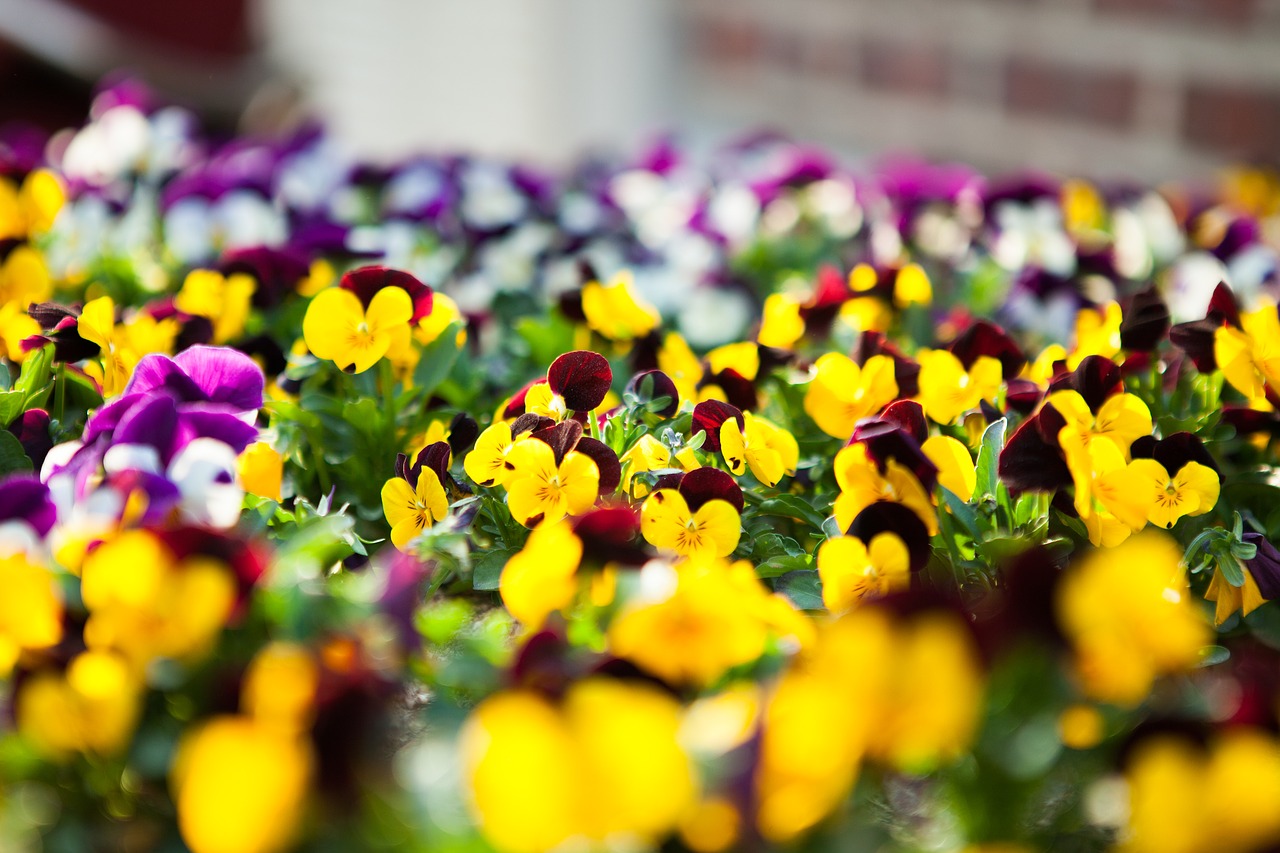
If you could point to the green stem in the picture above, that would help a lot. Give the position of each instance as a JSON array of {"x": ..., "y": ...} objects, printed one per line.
[{"x": 60, "y": 394}]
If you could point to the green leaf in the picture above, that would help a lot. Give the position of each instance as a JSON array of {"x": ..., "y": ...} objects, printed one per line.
[
  {"x": 12, "y": 404},
  {"x": 12, "y": 457},
  {"x": 781, "y": 564},
  {"x": 437, "y": 360},
  {"x": 1213, "y": 655},
  {"x": 803, "y": 588},
  {"x": 488, "y": 569},
  {"x": 776, "y": 545},
  {"x": 963, "y": 513},
  {"x": 790, "y": 506},
  {"x": 1232, "y": 570},
  {"x": 989, "y": 458},
  {"x": 37, "y": 370}
]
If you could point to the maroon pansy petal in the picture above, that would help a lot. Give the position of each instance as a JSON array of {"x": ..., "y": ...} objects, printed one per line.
[
  {"x": 906, "y": 372},
  {"x": 709, "y": 416},
  {"x": 889, "y": 517},
  {"x": 367, "y": 281},
  {"x": 529, "y": 422},
  {"x": 1265, "y": 566},
  {"x": 1145, "y": 322},
  {"x": 277, "y": 271},
  {"x": 23, "y": 496},
  {"x": 986, "y": 338},
  {"x": 606, "y": 461},
  {"x": 463, "y": 432},
  {"x": 31, "y": 429},
  {"x": 1196, "y": 339},
  {"x": 1022, "y": 395},
  {"x": 402, "y": 466},
  {"x": 582, "y": 378},
  {"x": 909, "y": 415},
  {"x": 670, "y": 480},
  {"x": 610, "y": 534},
  {"x": 886, "y": 440},
  {"x": 1022, "y": 607},
  {"x": 1029, "y": 463},
  {"x": 710, "y": 484},
  {"x": 1223, "y": 307},
  {"x": 739, "y": 391},
  {"x": 543, "y": 664},
  {"x": 562, "y": 437},
  {"x": 1096, "y": 379},
  {"x": 1174, "y": 452},
  {"x": 1249, "y": 421},
  {"x": 435, "y": 456},
  {"x": 650, "y": 385},
  {"x": 515, "y": 406}
]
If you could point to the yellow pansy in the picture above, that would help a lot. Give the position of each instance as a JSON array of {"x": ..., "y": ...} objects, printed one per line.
[
  {"x": 1249, "y": 357},
  {"x": 781, "y": 324},
  {"x": 92, "y": 707},
  {"x": 769, "y": 451},
  {"x": 337, "y": 326},
  {"x": 412, "y": 509},
  {"x": 1122, "y": 418},
  {"x": 15, "y": 327},
  {"x": 261, "y": 470},
  {"x": 912, "y": 287},
  {"x": 486, "y": 463},
  {"x": 1192, "y": 490},
  {"x": 614, "y": 311},
  {"x": 667, "y": 523},
  {"x": 842, "y": 393},
  {"x": 224, "y": 301},
  {"x": 947, "y": 390},
  {"x": 956, "y": 471},
  {"x": 852, "y": 570},
  {"x": 539, "y": 489},
  {"x": 862, "y": 484},
  {"x": 30, "y": 609},
  {"x": 542, "y": 578}
]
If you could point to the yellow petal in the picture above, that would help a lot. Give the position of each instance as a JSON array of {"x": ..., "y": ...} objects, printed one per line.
[
  {"x": 955, "y": 465},
  {"x": 331, "y": 319},
  {"x": 1203, "y": 481},
  {"x": 390, "y": 307},
  {"x": 399, "y": 502}
]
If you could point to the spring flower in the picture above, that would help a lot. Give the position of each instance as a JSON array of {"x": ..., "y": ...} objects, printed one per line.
[
  {"x": 863, "y": 483},
  {"x": 121, "y": 347},
  {"x": 224, "y": 301},
  {"x": 1191, "y": 490},
  {"x": 30, "y": 610},
  {"x": 677, "y": 360},
  {"x": 852, "y": 570},
  {"x": 1249, "y": 356},
  {"x": 947, "y": 389},
  {"x": 486, "y": 463},
  {"x": 769, "y": 451},
  {"x": 842, "y": 393},
  {"x": 1129, "y": 615},
  {"x": 542, "y": 488},
  {"x": 24, "y": 278},
  {"x": 614, "y": 311},
  {"x": 1122, "y": 418},
  {"x": 15, "y": 327},
  {"x": 339, "y": 328},
  {"x": 912, "y": 287},
  {"x": 542, "y": 578},
  {"x": 1110, "y": 496},
  {"x": 261, "y": 470},
  {"x": 410, "y": 509},
  {"x": 650, "y": 454},
  {"x": 91, "y": 708},
  {"x": 1097, "y": 333},
  {"x": 956, "y": 471},
  {"x": 717, "y": 616},
  {"x": 32, "y": 207},
  {"x": 607, "y": 759},
  {"x": 710, "y": 528},
  {"x": 781, "y": 326}
]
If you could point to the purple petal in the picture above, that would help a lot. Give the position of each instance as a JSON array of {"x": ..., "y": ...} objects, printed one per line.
[
  {"x": 207, "y": 422},
  {"x": 224, "y": 375},
  {"x": 153, "y": 423},
  {"x": 159, "y": 372},
  {"x": 25, "y": 497}
]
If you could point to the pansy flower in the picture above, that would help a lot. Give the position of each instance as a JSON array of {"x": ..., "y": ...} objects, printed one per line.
[
  {"x": 781, "y": 324},
  {"x": 841, "y": 393},
  {"x": 365, "y": 317},
  {"x": 852, "y": 570},
  {"x": 542, "y": 577},
  {"x": 770, "y": 451},
  {"x": 862, "y": 483},
  {"x": 1179, "y": 476},
  {"x": 546, "y": 482},
  {"x": 414, "y": 501},
  {"x": 31, "y": 614},
  {"x": 576, "y": 382},
  {"x": 1249, "y": 356},
  {"x": 698, "y": 517},
  {"x": 224, "y": 301},
  {"x": 615, "y": 311}
]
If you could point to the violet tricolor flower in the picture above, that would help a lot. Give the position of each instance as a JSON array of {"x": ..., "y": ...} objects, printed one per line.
[{"x": 27, "y": 512}]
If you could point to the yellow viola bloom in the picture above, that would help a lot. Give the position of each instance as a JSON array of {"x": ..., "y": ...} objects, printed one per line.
[
  {"x": 650, "y": 454},
  {"x": 261, "y": 470},
  {"x": 781, "y": 325},
  {"x": 542, "y": 578},
  {"x": 956, "y": 471},
  {"x": 224, "y": 301},
  {"x": 146, "y": 604},
  {"x": 1129, "y": 616},
  {"x": 862, "y": 484},
  {"x": 769, "y": 451},
  {"x": 412, "y": 509},
  {"x": 444, "y": 313},
  {"x": 338, "y": 328},
  {"x": 677, "y": 360},
  {"x": 852, "y": 570},
  {"x": 15, "y": 327},
  {"x": 30, "y": 609},
  {"x": 539, "y": 490},
  {"x": 947, "y": 390},
  {"x": 842, "y": 393},
  {"x": 121, "y": 347},
  {"x": 24, "y": 278},
  {"x": 604, "y": 763},
  {"x": 1105, "y": 485},
  {"x": 92, "y": 707},
  {"x": 1083, "y": 208},
  {"x": 31, "y": 208},
  {"x": 486, "y": 464},
  {"x": 1097, "y": 333},
  {"x": 667, "y": 523},
  {"x": 280, "y": 686},
  {"x": 717, "y": 617},
  {"x": 743, "y": 358},
  {"x": 614, "y": 311},
  {"x": 1249, "y": 358},
  {"x": 866, "y": 314},
  {"x": 242, "y": 766},
  {"x": 541, "y": 400},
  {"x": 1192, "y": 490},
  {"x": 1123, "y": 418},
  {"x": 912, "y": 287},
  {"x": 1229, "y": 599}
]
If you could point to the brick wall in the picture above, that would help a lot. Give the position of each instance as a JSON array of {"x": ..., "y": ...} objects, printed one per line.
[{"x": 1151, "y": 89}]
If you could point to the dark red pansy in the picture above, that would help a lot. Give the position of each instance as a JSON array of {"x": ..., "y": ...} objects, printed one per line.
[
  {"x": 890, "y": 517},
  {"x": 909, "y": 415},
  {"x": 739, "y": 391},
  {"x": 265, "y": 351},
  {"x": 1022, "y": 395},
  {"x": 463, "y": 432},
  {"x": 515, "y": 406},
  {"x": 1196, "y": 337},
  {"x": 31, "y": 428},
  {"x": 1097, "y": 379},
  {"x": 62, "y": 329},
  {"x": 1174, "y": 451},
  {"x": 610, "y": 534},
  {"x": 562, "y": 437},
  {"x": 709, "y": 416},
  {"x": 606, "y": 460},
  {"x": 986, "y": 338},
  {"x": 582, "y": 378},
  {"x": 651, "y": 385},
  {"x": 906, "y": 372},
  {"x": 886, "y": 440},
  {"x": 530, "y": 422},
  {"x": 1145, "y": 321},
  {"x": 543, "y": 664},
  {"x": 830, "y": 291},
  {"x": 1021, "y": 608},
  {"x": 710, "y": 484},
  {"x": 1029, "y": 461},
  {"x": 671, "y": 480},
  {"x": 1249, "y": 421},
  {"x": 276, "y": 270},
  {"x": 367, "y": 281}
]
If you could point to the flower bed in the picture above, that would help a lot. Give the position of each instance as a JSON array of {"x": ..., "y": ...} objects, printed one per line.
[{"x": 725, "y": 505}]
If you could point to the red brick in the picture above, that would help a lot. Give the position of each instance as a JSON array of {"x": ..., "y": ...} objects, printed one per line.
[
  {"x": 1233, "y": 121},
  {"x": 1103, "y": 97},
  {"x": 1226, "y": 12},
  {"x": 909, "y": 68}
]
